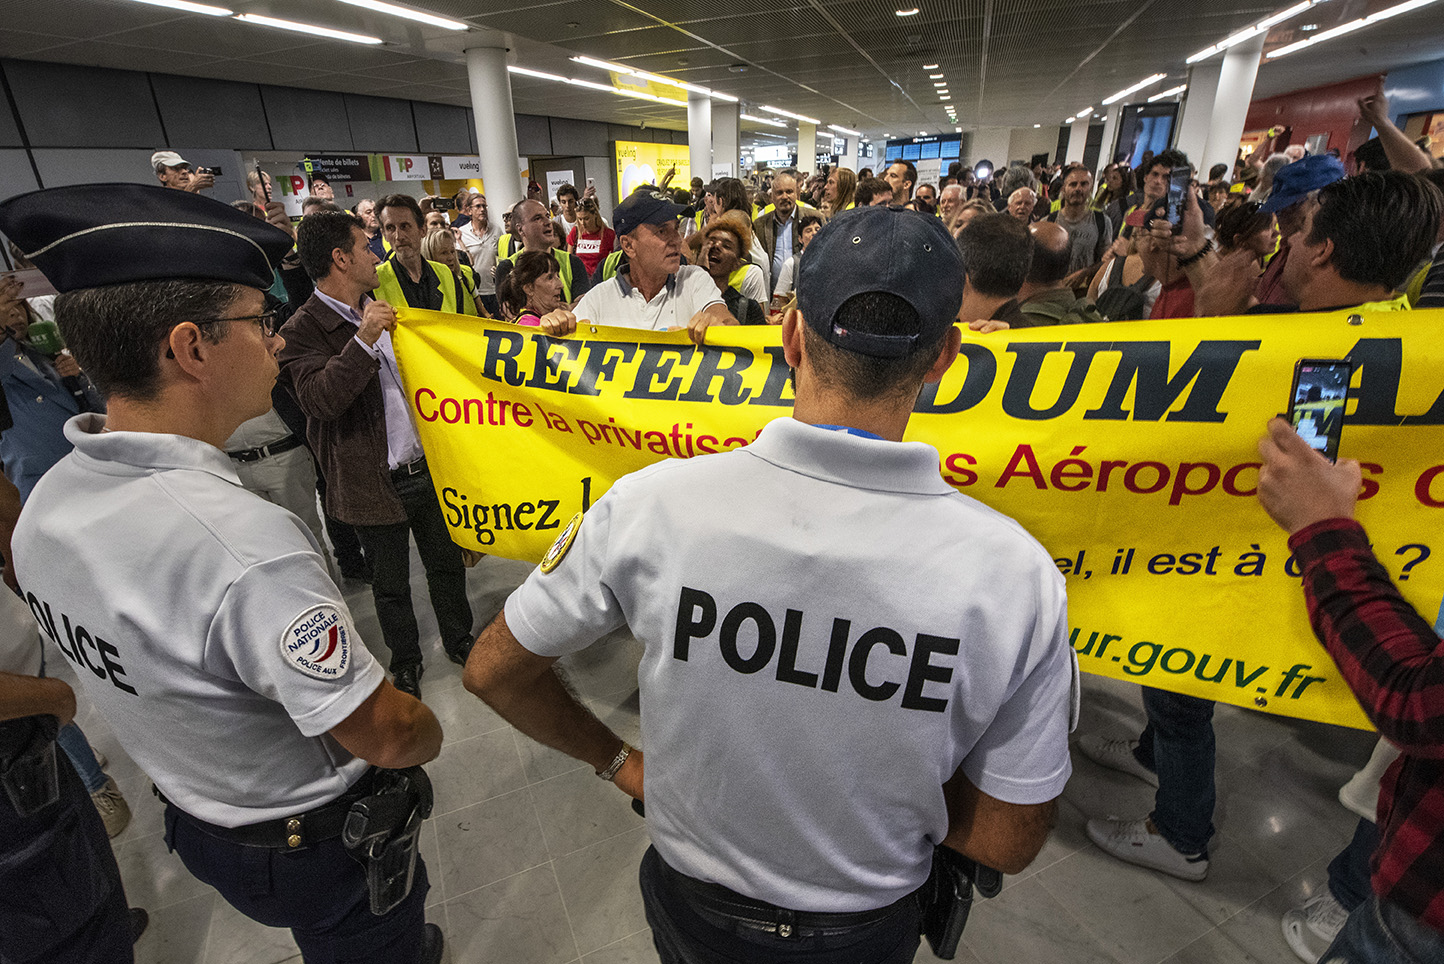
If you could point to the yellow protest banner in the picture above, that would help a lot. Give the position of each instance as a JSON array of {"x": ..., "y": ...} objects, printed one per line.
[
  {"x": 1128, "y": 450},
  {"x": 640, "y": 163}
]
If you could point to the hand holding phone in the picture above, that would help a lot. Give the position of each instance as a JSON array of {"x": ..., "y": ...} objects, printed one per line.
[{"x": 1317, "y": 400}]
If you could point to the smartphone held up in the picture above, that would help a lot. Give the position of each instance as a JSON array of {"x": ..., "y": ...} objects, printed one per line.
[{"x": 1317, "y": 401}]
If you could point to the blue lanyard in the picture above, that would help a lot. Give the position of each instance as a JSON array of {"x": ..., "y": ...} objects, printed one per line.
[{"x": 850, "y": 431}]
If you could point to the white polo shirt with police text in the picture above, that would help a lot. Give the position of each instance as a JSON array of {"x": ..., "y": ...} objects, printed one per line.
[
  {"x": 823, "y": 649},
  {"x": 200, "y": 619}
]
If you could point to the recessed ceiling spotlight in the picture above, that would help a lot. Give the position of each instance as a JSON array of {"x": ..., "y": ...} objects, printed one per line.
[
  {"x": 935, "y": 76},
  {"x": 930, "y": 66},
  {"x": 909, "y": 12},
  {"x": 1309, "y": 26}
]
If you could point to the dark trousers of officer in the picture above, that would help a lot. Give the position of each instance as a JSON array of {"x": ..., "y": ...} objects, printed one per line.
[
  {"x": 688, "y": 932},
  {"x": 389, "y": 552},
  {"x": 61, "y": 899},
  {"x": 318, "y": 892}
]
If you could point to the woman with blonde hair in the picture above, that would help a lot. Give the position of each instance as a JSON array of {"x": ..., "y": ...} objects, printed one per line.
[
  {"x": 839, "y": 195},
  {"x": 440, "y": 246}
]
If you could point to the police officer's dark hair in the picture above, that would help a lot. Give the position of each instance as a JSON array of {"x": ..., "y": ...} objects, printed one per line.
[
  {"x": 400, "y": 201},
  {"x": 865, "y": 377},
  {"x": 997, "y": 252},
  {"x": 117, "y": 332},
  {"x": 869, "y": 188},
  {"x": 321, "y": 233},
  {"x": 566, "y": 189},
  {"x": 804, "y": 222},
  {"x": 1382, "y": 223}
]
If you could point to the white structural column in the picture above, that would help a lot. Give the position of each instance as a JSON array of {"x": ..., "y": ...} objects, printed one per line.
[
  {"x": 495, "y": 126},
  {"x": 806, "y": 147},
  {"x": 1077, "y": 140},
  {"x": 1110, "y": 134},
  {"x": 1198, "y": 104},
  {"x": 699, "y": 135},
  {"x": 726, "y": 142},
  {"x": 1230, "y": 104}
]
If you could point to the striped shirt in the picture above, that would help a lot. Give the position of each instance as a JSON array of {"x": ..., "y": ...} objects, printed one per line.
[{"x": 1394, "y": 663}]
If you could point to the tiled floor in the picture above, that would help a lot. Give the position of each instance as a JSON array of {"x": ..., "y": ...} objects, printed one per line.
[{"x": 533, "y": 860}]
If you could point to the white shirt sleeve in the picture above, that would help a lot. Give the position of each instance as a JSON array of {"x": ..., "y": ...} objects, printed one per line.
[
  {"x": 785, "y": 279},
  {"x": 565, "y": 610},
  {"x": 754, "y": 286},
  {"x": 284, "y": 631}
]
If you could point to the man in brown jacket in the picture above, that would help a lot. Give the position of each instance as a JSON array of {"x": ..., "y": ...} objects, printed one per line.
[{"x": 339, "y": 362}]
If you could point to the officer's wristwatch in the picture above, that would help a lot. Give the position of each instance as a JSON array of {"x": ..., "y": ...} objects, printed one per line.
[{"x": 610, "y": 773}]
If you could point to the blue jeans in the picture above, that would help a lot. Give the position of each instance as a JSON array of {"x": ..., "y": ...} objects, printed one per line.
[
  {"x": 82, "y": 757},
  {"x": 1178, "y": 745},
  {"x": 687, "y": 935},
  {"x": 1377, "y": 932},
  {"x": 1349, "y": 871}
]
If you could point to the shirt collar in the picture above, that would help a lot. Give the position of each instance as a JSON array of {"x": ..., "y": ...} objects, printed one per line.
[
  {"x": 134, "y": 453},
  {"x": 342, "y": 309},
  {"x": 624, "y": 281},
  {"x": 860, "y": 463}
]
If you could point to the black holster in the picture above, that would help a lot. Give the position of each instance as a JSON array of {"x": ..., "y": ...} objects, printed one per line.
[
  {"x": 947, "y": 898},
  {"x": 382, "y": 832},
  {"x": 27, "y": 763}
]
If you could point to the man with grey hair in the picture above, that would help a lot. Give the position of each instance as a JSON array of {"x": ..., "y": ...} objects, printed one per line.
[
  {"x": 1021, "y": 204},
  {"x": 779, "y": 231},
  {"x": 174, "y": 171},
  {"x": 1013, "y": 178}
]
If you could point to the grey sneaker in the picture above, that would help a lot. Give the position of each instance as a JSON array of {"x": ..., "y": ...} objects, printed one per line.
[
  {"x": 1135, "y": 842},
  {"x": 114, "y": 811},
  {"x": 1312, "y": 926},
  {"x": 1116, "y": 755}
]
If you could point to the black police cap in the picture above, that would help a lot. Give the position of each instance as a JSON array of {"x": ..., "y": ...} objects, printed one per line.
[{"x": 90, "y": 235}]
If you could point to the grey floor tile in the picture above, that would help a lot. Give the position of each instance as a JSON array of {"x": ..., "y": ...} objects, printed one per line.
[
  {"x": 518, "y": 920},
  {"x": 462, "y": 716},
  {"x": 577, "y": 809},
  {"x": 485, "y": 842},
  {"x": 1137, "y": 918},
  {"x": 177, "y": 934},
  {"x": 600, "y": 890},
  {"x": 633, "y": 949},
  {"x": 236, "y": 939},
  {"x": 1027, "y": 924},
  {"x": 1215, "y": 947},
  {"x": 475, "y": 769}
]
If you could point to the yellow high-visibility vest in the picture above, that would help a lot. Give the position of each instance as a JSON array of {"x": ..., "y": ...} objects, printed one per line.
[
  {"x": 564, "y": 269},
  {"x": 389, "y": 290}
]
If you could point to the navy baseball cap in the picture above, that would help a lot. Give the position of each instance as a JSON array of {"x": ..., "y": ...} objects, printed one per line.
[
  {"x": 881, "y": 249},
  {"x": 91, "y": 235},
  {"x": 645, "y": 205},
  {"x": 1294, "y": 182}
]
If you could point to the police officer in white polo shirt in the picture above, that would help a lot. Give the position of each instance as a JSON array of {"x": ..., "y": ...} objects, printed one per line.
[
  {"x": 200, "y": 618},
  {"x": 862, "y": 665},
  {"x": 653, "y": 289}
]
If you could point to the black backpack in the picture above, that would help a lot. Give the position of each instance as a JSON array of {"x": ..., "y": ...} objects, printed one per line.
[{"x": 1124, "y": 302}]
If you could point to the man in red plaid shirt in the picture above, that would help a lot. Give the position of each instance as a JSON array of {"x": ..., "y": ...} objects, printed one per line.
[{"x": 1394, "y": 663}]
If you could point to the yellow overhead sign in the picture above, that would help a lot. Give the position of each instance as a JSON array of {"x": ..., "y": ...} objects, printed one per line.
[{"x": 639, "y": 164}]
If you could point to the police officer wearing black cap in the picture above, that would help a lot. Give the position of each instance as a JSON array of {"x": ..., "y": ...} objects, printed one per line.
[
  {"x": 200, "y": 618},
  {"x": 833, "y": 681}
]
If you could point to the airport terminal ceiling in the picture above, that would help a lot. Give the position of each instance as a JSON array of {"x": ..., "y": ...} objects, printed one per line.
[{"x": 855, "y": 63}]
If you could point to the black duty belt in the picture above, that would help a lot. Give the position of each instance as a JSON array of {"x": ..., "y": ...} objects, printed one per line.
[
  {"x": 275, "y": 448},
  {"x": 769, "y": 918},
  {"x": 409, "y": 468},
  {"x": 285, "y": 833}
]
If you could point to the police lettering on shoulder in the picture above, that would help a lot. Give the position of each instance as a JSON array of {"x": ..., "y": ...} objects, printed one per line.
[
  {"x": 183, "y": 597},
  {"x": 875, "y": 662}
]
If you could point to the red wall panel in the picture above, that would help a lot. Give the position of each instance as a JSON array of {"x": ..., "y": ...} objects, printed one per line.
[{"x": 1319, "y": 110}]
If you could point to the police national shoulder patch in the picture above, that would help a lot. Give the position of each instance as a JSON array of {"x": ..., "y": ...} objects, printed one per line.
[
  {"x": 319, "y": 643},
  {"x": 562, "y": 546}
]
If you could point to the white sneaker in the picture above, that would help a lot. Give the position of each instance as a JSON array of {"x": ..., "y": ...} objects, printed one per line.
[
  {"x": 114, "y": 811},
  {"x": 100, "y": 759},
  {"x": 1116, "y": 755},
  {"x": 1312, "y": 926},
  {"x": 1134, "y": 842}
]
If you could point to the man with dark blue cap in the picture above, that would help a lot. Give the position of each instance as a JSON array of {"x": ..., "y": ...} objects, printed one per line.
[
  {"x": 201, "y": 619},
  {"x": 1294, "y": 185},
  {"x": 832, "y": 682},
  {"x": 654, "y": 289}
]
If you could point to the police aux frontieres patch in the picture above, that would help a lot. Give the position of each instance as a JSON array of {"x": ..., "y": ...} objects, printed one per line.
[{"x": 318, "y": 643}]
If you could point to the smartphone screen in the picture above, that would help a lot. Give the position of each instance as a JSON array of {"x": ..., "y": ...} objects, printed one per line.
[
  {"x": 1178, "y": 180},
  {"x": 1316, "y": 403}
]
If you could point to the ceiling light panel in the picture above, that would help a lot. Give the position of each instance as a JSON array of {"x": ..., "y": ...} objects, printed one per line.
[
  {"x": 307, "y": 28},
  {"x": 420, "y": 16}
]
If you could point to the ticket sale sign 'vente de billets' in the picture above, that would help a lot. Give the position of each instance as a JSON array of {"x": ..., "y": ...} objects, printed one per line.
[{"x": 1128, "y": 450}]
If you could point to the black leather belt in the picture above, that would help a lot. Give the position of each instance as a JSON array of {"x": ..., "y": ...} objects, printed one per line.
[
  {"x": 769, "y": 918},
  {"x": 409, "y": 468},
  {"x": 275, "y": 448},
  {"x": 284, "y": 833}
]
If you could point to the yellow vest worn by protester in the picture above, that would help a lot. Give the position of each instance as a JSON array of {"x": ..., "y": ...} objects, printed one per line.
[
  {"x": 467, "y": 298},
  {"x": 389, "y": 290},
  {"x": 564, "y": 269},
  {"x": 609, "y": 266}
]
